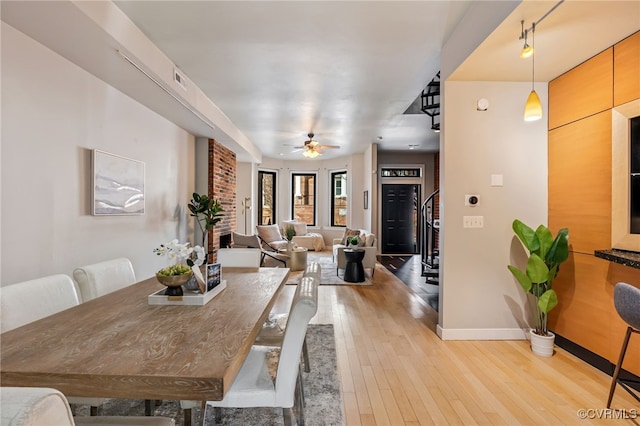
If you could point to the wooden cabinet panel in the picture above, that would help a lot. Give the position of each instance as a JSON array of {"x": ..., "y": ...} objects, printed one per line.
[
  {"x": 580, "y": 182},
  {"x": 582, "y": 91},
  {"x": 626, "y": 70},
  {"x": 585, "y": 307},
  {"x": 586, "y": 314}
]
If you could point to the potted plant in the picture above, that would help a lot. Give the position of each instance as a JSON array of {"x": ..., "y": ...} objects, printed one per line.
[
  {"x": 353, "y": 241},
  {"x": 546, "y": 253},
  {"x": 289, "y": 233},
  {"x": 207, "y": 211}
]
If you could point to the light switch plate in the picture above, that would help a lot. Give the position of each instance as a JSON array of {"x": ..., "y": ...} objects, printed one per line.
[{"x": 473, "y": 221}]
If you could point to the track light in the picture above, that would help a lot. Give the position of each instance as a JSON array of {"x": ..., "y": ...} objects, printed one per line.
[{"x": 527, "y": 50}]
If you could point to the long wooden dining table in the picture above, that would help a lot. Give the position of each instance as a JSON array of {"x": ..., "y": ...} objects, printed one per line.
[{"x": 119, "y": 346}]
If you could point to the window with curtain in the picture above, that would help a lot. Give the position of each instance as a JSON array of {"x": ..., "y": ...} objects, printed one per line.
[
  {"x": 339, "y": 198},
  {"x": 303, "y": 197},
  {"x": 266, "y": 198}
]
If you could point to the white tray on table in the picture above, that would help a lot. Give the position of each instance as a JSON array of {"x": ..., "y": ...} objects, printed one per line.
[{"x": 189, "y": 298}]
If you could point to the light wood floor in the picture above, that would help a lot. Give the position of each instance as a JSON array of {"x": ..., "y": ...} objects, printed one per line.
[{"x": 396, "y": 371}]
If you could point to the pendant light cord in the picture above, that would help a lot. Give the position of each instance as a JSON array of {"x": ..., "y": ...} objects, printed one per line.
[{"x": 533, "y": 55}]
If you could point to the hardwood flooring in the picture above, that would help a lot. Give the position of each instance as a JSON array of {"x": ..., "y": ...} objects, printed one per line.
[{"x": 394, "y": 370}]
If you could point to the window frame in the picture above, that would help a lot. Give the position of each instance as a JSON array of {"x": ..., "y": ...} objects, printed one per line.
[
  {"x": 332, "y": 175},
  {"x": 274, "y": 195},
  {"x": 315, "y": 194}
]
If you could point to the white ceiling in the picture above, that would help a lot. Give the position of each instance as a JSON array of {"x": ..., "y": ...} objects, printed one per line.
[{"x": 344, "y": 70}]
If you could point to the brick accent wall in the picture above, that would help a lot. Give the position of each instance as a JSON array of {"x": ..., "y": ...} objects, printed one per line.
[{"x": 222, "y": 186}]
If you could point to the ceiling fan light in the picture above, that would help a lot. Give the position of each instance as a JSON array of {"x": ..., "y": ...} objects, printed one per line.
[
  {"x": 533, "y": 107},
  {"x": 310, "y": 153}
]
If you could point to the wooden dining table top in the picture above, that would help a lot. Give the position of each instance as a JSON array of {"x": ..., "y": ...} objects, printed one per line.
[{"x": 119, "y": 346}]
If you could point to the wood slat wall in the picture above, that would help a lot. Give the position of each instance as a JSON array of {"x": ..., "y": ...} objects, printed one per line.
[
  {"x": 626, "y": 65},
  {"x": 583, "y": 91},
  {"x": 580, "y": 182},
  {"x": 580, "y": 173}
]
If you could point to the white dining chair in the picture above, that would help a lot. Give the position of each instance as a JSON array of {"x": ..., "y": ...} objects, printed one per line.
[
  {"x": 103, "y": 278},
  {"x": 25, "y": 406},
  {"x": 272, "y": 332},
  {"x": 253, "y": 386},
  {"x": 239, "y": 257},
  {"x": 29, "y": 301}
]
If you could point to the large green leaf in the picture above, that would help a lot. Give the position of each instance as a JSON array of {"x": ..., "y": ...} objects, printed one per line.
[
  {"x": 548, "y": 301},
  {"x": 559, "y": 251},
  {"x": 537, "y": 270},
  {"x": 546, "y": 241},
  {"x": 526, "y": 235},
  {"x": 522, "y": 278}
]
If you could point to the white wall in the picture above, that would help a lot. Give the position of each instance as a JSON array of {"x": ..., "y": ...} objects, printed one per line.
[
  {"x": 479, "y": 299},
  {"x": 53, "y": 115},
  {"x": 246, "y": 187}
]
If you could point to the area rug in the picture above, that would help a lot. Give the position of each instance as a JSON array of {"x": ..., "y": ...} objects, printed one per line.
[
  {"x": 328, "y": 267},
  {"x": 321, "y": 389}
]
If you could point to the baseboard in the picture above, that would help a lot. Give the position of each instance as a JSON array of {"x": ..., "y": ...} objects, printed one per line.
[
  {"x": 482, "y": 333},
  {"x": 596, "y": 360}
]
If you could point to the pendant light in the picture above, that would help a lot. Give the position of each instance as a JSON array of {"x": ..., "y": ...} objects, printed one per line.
[{"x": 533, "y": 107}]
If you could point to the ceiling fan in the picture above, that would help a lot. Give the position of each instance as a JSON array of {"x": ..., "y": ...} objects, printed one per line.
[{"x": 311, "y": 148}]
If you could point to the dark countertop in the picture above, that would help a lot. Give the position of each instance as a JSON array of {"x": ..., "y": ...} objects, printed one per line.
[{"x": 624, "y": 257}]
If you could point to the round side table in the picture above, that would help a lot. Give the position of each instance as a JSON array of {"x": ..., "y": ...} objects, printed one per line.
[
  {"x": 297, "y": 258},
  {"x": 354, "y": 271}
]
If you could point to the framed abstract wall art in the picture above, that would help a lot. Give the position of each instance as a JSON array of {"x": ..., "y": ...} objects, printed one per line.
[{"x": 117, "y": 185}]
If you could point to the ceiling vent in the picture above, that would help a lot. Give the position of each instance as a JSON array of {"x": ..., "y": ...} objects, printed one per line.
[{"x": 180, "y": 79}]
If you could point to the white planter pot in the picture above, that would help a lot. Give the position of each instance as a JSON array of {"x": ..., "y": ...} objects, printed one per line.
[{"x": 542, "y": 345}]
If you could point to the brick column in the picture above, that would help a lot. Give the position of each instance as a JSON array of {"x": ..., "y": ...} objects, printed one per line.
[{"x": 222, "y": 186}]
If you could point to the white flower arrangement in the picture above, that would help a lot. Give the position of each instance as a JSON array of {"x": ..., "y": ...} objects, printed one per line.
[{"x": 194, "y": 256}]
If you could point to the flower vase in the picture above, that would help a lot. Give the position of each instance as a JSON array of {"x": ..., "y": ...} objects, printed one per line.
[{"x": 289, "y": 246}]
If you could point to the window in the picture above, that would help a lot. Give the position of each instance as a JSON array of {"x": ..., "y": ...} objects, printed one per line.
[
  {"x": 266, "y": 198},
  {"x": 339, "y": 199},
  {"x": 303, "y": 198},
  {"x": 401, "y": 172}
]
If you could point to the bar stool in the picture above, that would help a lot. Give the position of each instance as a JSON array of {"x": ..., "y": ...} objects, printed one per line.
[{"x": 626, "y": 299}]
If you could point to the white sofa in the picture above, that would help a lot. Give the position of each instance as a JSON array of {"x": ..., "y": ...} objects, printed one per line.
[
  {"x": 304, "y": 238},
  {"x": 368, "y": 241}
]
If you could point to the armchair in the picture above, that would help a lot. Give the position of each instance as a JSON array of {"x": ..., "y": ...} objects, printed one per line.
[
  {"x": 270, "y": 235},
  {"x": 253, "y": 241},
  {"x": 368, "y": 245}
]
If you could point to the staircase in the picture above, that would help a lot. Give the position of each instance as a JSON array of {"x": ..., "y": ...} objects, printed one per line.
[{"x": 428, "y": 250}]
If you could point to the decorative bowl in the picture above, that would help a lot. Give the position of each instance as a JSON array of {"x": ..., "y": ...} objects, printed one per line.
[{"x": 174, "y": 283}]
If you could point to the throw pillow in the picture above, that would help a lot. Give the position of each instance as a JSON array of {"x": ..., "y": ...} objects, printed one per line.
[
  {"x": 300, "y": 228},
  {"x": 269, "y": 232},
  {"x": 349, "y": 233},
  {"x": 370, "y": 240}
]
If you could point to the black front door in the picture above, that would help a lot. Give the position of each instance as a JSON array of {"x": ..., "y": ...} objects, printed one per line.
[{"x": 399, "y": 218}]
